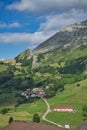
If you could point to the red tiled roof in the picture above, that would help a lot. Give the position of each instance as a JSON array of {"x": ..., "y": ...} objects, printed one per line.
[
  {"x": 63, "y": 107},
  {"x": 22, "y": 125}
]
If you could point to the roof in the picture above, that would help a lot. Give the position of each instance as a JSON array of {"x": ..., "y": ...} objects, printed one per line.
[
  {"x": 83, "y": 126},
  {"x": 63, "y": 107},
  {"x": 22, "y": 125}
]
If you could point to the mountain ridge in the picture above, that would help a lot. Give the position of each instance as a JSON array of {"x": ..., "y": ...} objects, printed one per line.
[
  {"x": 67, "y": 39},
  {"x": 61, "y": 71},
  {"x": 70, "y": 37}
]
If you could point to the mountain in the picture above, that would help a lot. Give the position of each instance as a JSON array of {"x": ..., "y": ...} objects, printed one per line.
[
  {"x": 58, "y": 66},
  {"x": 68, "y": 38},
  {"x": 25, "y": 58},
  {"x": 27, "y": 54},
  {"x": 60, "y": 60}
]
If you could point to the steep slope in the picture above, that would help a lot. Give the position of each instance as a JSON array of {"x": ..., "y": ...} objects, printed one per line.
[
  {"x": 73, "y": 95},
  {"x": 27, "y": 54},
  {"x": 50, "y": 71},
  {"x": 25, "y": 58},
  {"x": 68, "y": 38},
  {"x": 54, "y": 69}
]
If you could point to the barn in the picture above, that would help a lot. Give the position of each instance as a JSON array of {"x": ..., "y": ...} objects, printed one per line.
[{"x": 64, "y": 108}]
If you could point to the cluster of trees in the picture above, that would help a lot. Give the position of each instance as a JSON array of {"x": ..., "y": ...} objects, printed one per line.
[
  {"x": 45, "y": 69},
  {"x": 27, "y": 62},
  {"x": 23, "y": 100},
  {"x": 72, "y": 78},
  {"x": 24, "y": 60},
  {"x": 73, "y": 66},
  {"x": 53, "y": 88},
  {"x": 40, "y": 57},
  {"x": 7, "y": 75}
]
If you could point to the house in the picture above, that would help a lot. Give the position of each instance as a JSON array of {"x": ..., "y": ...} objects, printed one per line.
[
  {"x": 38, "y": 91},
  {"x": 23, "y": 125},
  {"x": 26, "y": 93},
  {"x": 83, "y": 126},
  {"x": 67, "y": 126},
  {"x": 33, "y": 95},
  {"x": 35, "y": 92},
  {"x": 64, "y": 108}
]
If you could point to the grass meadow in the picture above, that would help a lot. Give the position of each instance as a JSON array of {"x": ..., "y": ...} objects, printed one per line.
[
  {"x": 73, "y": 95},
  {"x": 23, "y": 112}
]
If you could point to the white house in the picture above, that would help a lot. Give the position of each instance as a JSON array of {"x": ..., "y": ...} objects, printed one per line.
[
  {"x": 67, "y": 126},
  {"x": 64, "y": 108}
]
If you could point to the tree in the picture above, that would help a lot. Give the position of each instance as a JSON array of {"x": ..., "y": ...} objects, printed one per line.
[
  {"x": 10, "y": 120},
  {"x": 84, "y": 112},
  {"x": 36, "y": 118},
  {"x": 78, "y": 85},
  {"x": 40, "y": 57},
  {"x": 4, "y": 111}
]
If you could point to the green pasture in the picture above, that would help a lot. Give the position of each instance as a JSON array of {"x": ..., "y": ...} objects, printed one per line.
[
  {"x": 23, "y": 112},
  {"x": 73, "y": 95},
  {"x": 3, "y": 67}
]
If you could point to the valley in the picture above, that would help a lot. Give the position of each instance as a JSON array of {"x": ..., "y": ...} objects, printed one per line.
[
  {"x": 58, "y": 67},
  {"x": 72, "y": 95}
]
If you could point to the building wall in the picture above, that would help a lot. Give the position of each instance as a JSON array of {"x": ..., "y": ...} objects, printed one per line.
[{"x": 65, "y": 110}]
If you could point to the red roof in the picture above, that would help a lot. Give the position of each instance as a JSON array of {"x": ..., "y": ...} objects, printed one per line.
[
  {"x": 63, "y": 107},
  {"x": 22, "y": 125}
]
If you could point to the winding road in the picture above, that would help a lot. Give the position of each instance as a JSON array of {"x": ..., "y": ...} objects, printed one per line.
[{"x": 47, "y": 111}]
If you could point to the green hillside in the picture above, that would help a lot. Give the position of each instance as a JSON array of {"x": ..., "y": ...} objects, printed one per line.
[
  {"x": 54, "y": 69},
  {"x": 24, "y": 112},
  {"x": 3, "y": 67},
  {"x": 64, "y": 73},
  {"x": 73, "y": 95}
]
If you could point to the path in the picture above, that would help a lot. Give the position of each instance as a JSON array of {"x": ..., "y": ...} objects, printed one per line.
[{"x": 45, "y": 114}]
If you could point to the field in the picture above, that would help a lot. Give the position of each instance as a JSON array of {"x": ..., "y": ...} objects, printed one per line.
[
  {"x": 3, "y": 67},
  {"x": 73, "y": 95},
  {"x": 24, "y": 112}
]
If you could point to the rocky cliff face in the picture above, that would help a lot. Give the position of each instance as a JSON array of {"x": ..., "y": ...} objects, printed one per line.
[{"x": 69, "y": 38}]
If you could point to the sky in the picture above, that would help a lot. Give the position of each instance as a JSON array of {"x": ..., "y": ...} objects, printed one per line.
[{"x": 27, "y": 23}]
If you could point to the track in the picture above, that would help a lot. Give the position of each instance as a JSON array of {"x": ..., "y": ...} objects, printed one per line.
[{"x": 47, "y": 111}]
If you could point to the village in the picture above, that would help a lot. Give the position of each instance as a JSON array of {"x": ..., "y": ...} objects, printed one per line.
[
  {"x": 40, "y": 93},
  {"x": 34, "y": 93}
]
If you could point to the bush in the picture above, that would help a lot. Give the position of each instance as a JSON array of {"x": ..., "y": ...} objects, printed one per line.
[
  {"x": 10, "y": 120},
  {"x": 4, "y": 111},
  {"x": 84, "y": 109},
  {"x": 36, "y": 118},
  {"x": 78, "y": 85}
]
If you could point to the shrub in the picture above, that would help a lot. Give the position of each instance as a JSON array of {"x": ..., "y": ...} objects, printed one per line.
[
  {"x": 36, "y": 118},
  {"x": 10, "y": 120},
  {"x": 78, "y": 85},
  {"x": 4, "y": 111},
  {"x": 84, "y": 109}
]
